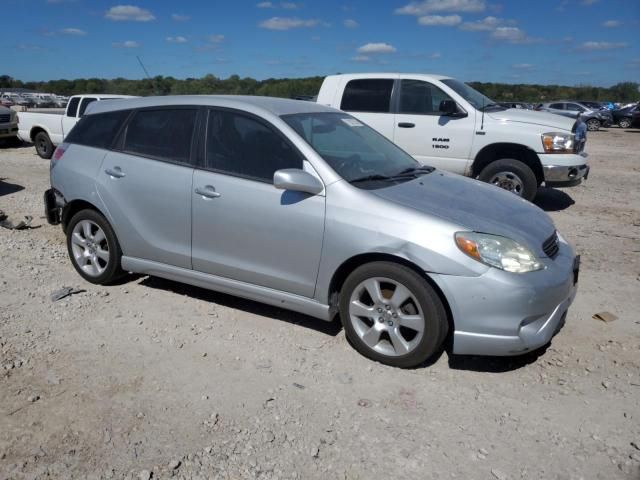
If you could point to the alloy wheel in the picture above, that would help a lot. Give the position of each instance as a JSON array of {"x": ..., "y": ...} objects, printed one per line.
[{"x": 90, "y": 248}]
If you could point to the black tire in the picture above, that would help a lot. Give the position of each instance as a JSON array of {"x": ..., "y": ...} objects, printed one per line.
[
  {"x": 44, "y": 147},
  {"x": 624, "y": 123},
  {"x": 434, "y": 313},
  {"x": 112, "y": 270},
  {"x": 518, "y": 177},
  {"x": 593, "y": 124}
]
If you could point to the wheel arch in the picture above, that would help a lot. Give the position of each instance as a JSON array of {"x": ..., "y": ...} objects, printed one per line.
[
  {"x": 349, "y": 265},
  {"x": 73, "y": 207},
  {"x": 497, "y": 151},
  {"x": 35, "y": 130}
]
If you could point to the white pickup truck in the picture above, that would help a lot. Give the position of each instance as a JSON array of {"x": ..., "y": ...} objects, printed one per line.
[
  {"x": 46, "y": 130},
  {"x": 445, "y": 123}
]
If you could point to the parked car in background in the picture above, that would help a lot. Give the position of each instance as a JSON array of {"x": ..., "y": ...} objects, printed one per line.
[
  {"x": 593, "y": 118},
  {"x": 61, "y": 101},
  {"x": 593, "y": 105},
  {"x": 46, "y": 130},
  {"x": 8, "y": 123},
  {"x": 445, "y": 123},
  {"x": 407, "y": 255},
  {"x": 624, "y": 116},
  {"x": 17, "y": 99},
  {"x": 518, "y": 105}
]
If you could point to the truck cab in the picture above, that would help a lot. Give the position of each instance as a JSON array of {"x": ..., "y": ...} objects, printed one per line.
[{"x": 445, "y": 123}]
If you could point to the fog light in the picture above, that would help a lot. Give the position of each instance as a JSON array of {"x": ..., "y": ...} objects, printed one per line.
[{"x": 573, "y": 172}]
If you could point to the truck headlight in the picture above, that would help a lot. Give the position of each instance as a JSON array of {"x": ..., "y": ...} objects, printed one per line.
[
  {"x": 556, "y": 142},
  {"x": 497, "y": 251}
]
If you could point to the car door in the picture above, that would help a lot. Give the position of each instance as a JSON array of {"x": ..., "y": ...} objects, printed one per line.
[
  {"x": 243, "y": 227},
  {"x": 369, "y": 99},
  {"x": 429, "y": 136},
  {"x": 145, "y": 184}
]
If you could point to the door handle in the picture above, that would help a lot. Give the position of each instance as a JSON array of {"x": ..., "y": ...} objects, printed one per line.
[
  {"x": 406, "y": 125},
  {"x": 115, "y": 172},
  {"x": 208, "y": 192}
]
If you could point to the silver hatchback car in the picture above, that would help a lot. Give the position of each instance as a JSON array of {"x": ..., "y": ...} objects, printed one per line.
[{"x": 304, "y": 207}]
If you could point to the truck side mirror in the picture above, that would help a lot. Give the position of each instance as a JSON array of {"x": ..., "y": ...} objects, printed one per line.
[{"x": 450, "y": 108}]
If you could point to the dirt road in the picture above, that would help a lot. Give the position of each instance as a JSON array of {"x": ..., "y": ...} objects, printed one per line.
[{"x": 153, "y": 379}]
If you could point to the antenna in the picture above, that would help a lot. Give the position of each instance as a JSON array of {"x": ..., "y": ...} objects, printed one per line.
[
  {"x": 482, "y": 121},
  {"x": 143, "y": 67}
]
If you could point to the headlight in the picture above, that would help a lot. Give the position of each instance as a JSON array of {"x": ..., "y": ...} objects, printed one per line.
[
  {"x": 497, "y": 251},
  {"x": 556, "y": 142}
]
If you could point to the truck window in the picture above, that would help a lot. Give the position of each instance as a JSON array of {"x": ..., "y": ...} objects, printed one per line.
[
  {"x": 368, "y": 95},
  {"x": 85, "y": 103},
  {"x": 421, "y": 98},
  {"x": 72, "y": 108}
]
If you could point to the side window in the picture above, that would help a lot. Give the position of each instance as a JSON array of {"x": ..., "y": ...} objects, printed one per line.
[
  {"x": 162, "y": 133},
  {"x": 72, "y": 108},
  {"x": 369, "y": 95},
  {"x": 421, "y": 98},
  {"x": 85, "y": 103},
  {"x": 240, "y": 145},
  {"x": 557, "y": 106},
  {"x": 97, "y": 130}
]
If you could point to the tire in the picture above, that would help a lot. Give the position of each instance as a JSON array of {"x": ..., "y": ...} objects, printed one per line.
[
  {"x": 44, "y": 147},
  {"x": 400, "y": 333},
  {"x": 624, "y": 123},
  {"x": 95, "y": 256},
  {"x": 593, "y": 124},
  {"x": 511, "y": 175}
]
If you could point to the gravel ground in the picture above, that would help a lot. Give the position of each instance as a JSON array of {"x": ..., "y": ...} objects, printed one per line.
[{"x": 153, "y": 379}]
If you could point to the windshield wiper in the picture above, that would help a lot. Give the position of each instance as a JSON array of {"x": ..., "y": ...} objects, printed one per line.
[
  {"x": 423, "y": 169},
  {"x": 371, "y": 178}
]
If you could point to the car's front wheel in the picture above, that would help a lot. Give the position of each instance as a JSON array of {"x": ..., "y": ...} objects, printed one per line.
[
  {"x": 624, "y": 123},
  {"x": 93, "y": 247},
  {"x": 392, "y": 315},
  {"x": 593, "y": 124}
]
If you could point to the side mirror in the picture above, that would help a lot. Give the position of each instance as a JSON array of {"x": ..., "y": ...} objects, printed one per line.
[
  {"x": 297, "y": 180},
  {"x": 450, "y": 108}
]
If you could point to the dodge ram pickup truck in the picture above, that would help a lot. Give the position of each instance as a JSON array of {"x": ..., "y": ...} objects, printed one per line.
[
  {"x": 47, "y": 130},
  {"x": 445, "y": 123}
]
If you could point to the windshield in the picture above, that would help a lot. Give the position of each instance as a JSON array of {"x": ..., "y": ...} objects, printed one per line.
[
  {"x": 355, "y": 151},
  {"x": 471, "y": 95}
]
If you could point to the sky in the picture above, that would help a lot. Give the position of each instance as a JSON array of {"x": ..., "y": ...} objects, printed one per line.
[{"x": 567, "y": 42}]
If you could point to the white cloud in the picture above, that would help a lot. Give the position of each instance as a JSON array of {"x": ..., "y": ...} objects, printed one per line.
[
  {"x": 430, "y": 6},
  {"x": 511, "y": 35},
  {"x": 487, "y": 24},
  {"x": 73, "y": 31},
  {"x": 216, "y": 38},
  {"x": 522, "y": 66},
  {"x": 588, "y": 2},
  {"x": 440, "y": 20},
  {"x": 374, "y": 48},
  {"x": 264, "y": 5},
  {"x": 177, "y": 39},
  {"x": 281, "y": 23},
  {"x": 289, "y": 5},
  {"x": 127, "y": 44},
  {"x": 597, "y": 46},
  {"x": 123, "y": 13},
  {"x": 435, "y": 55},
  {"x": 349, "y": 23},
  {"x": 176, "y": 17},
  {"x": 361, "y": 59},
  {"x": 611, "y": 24}
]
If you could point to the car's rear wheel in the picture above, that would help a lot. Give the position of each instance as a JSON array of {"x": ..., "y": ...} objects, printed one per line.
[
  {"x": 392, "y": 315},
  {"x": 93, "y": 247},
  {"x": 624, "y": 123},
  {"x": 44, "y": 147},
  {"x": 511, "y": 175},
  {"x": 593, "y": 124}
]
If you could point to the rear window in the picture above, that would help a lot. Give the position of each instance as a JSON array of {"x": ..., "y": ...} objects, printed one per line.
[
  {"x": 72, "y": 108},
  {"x": 97, "y": 130},
  {"x": 164, "y": 133},
  {"x": 369, "y": 95}
]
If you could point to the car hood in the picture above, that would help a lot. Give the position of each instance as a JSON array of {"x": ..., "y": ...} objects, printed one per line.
[
  {"x": 544, "y": 119},
  {"x": 473, "y": 205}
]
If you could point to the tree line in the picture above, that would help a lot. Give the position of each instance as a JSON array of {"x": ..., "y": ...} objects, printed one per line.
[{"x": 291, "y": 87}]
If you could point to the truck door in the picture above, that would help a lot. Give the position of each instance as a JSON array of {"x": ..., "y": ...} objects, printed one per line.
[
  {"x": 369, "y": 99},
  {"x": 426, "y": 134}
]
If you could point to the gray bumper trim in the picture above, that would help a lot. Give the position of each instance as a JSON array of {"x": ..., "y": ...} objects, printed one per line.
[{"x": 563, "y": 174}]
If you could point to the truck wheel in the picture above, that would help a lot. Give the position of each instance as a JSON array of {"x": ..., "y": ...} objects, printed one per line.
[
  {"x": 624, "y": 123},
  {"x": 392, "y": 315},
  {"x": 511, "y": 175},
  {"x": 44, "y": 147},
  {"x": 593, "y": 124}
]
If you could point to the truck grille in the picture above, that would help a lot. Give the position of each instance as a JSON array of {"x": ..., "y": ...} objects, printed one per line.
[
  {"x": 5, "y": 118},
  {"x": 550, "y": 246}
]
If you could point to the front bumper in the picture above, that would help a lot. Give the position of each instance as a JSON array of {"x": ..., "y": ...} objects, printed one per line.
[
  {"x": 564, "y": 170},
  {"x": 501, "y": 313},
  {"x": 8, "y": 131}
]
